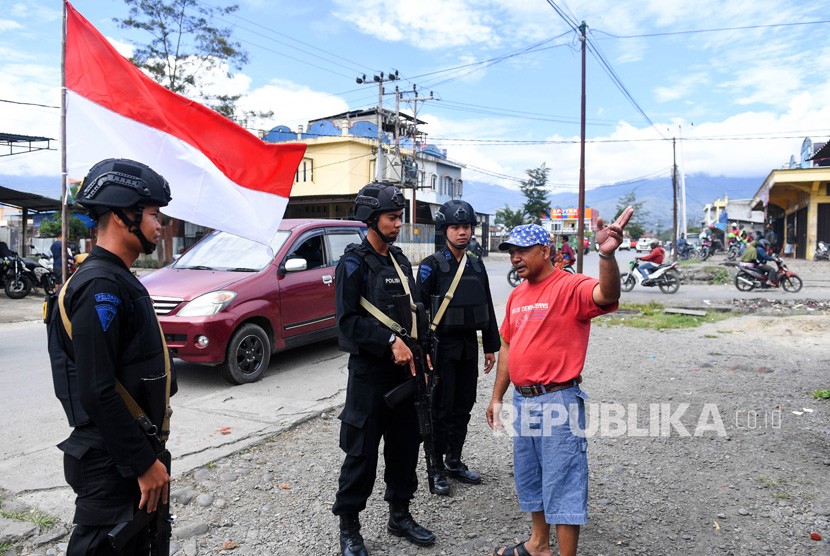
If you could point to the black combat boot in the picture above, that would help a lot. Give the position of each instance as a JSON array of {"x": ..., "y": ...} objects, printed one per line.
[
  {"x": 439, "y": 483},
  {"x": 401, "y": 524},
  {"x": 457, "y": 470},
  {"x": 351, "y": 543}
]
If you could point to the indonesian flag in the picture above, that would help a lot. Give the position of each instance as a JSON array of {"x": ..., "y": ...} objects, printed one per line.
[{"x": 221, "y": 176}]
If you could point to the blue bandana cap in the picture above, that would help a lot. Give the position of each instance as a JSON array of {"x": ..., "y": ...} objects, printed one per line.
[{"x": 525, "y": 236}]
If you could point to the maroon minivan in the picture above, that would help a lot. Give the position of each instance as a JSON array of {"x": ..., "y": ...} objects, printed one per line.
[{"x": 233, "y": 302}]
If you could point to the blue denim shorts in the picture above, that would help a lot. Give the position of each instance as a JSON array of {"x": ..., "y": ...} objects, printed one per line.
[{"x": 550, "y": 455}]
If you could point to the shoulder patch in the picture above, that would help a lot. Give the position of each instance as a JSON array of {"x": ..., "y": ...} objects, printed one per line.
[
  {"x": 424, "y": 270},
  {"x": 351, "y": 264},
  {"x": 106, "y": 314}
]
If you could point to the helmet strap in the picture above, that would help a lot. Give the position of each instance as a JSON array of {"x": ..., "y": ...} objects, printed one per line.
[
  {"x": 134, "y": 227},
  {"x": 372, "y": 223},
  {"x": 459, "y": 246}
]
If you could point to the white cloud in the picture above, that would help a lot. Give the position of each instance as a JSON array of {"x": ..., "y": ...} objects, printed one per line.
[
  {"x": 292, "y": 104},
  {"x": 427, "y": 24}
]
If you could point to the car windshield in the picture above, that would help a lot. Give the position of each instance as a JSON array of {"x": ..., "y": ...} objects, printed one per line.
[{"x": 224, "y": 251}]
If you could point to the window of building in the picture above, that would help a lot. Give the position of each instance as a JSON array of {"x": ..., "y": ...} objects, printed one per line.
[
  {"x": 433, "y": 181},
  {"x": 446, "y": 186},
  {"x": 459, "y": 187},
  {"x": 305, "y": 171}
]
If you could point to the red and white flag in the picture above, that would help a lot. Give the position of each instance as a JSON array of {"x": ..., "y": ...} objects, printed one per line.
[{"x": 221, "y": 176}]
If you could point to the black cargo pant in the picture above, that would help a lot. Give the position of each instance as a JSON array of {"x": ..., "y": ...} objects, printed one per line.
[
  {"x": 104, "y": 499},
  {"x": 455, "y": 395},
  {"x": 364, "y": 421}
]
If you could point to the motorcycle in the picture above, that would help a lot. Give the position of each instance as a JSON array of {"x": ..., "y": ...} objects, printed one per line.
[
  {"x": 750, "y": 277},
  {"x": 822, "y": 252},
  {"x": 734, "y": 251},
  {"x": 664, "y": 277},
  {"x": 15, "y": 277},
  {"x": 709, "y": 248},
  {"x": 41, "y": 271},
  {"x": 514, "y": 279},
  {"x": 687, "y": 252}
]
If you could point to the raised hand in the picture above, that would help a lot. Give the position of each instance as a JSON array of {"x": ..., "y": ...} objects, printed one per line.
[{"x": 608, "y": 239}]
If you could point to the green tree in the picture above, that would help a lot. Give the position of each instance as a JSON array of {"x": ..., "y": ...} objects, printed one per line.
[
  {"x": 635, "y": 227},
  {"x": 51, "y": 227},
  {"x": 185, "y": 46},
  {"x": 509, "y": 218},
  {"x": 535, "y": 191}
]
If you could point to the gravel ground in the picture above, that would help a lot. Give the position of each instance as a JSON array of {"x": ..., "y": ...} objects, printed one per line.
[{"x": 757, "y": 486}]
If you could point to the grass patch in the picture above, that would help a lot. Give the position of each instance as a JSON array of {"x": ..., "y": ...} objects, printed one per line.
[
  {"x": 5, "y": 546},
  {"x": 651, "y": 315},
  {"x": 41, "y": 520},
  {"x": 721, "y": 276},
  {"x": 781, "y": 496},
  {"x": 710, "y": 335},
  {"x": 821, "y": 394}
]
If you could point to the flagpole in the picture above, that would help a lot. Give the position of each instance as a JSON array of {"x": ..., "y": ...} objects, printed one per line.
[{"x": 64, "y": 210}]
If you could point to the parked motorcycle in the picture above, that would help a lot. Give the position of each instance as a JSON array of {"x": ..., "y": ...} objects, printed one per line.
[
  {"x": 40, "y": 266},
  {"x": 664, "y": 277},
  {"x": 822, "y": 252},
  {"x": 15, "y": 277},
  {"x": 750, "y": 277}
]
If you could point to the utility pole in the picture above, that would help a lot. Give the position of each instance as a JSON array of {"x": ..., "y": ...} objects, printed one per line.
[
  {"x": 674, "y": 191},
  {"x": 415, "y": 99},
  {"x": 581, "y": 208},
  {"x": 379, "y": 79}
]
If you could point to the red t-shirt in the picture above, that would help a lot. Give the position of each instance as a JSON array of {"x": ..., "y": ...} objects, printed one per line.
[
  {"x": 547, "y": 326},
  {"x": 656, "y": 256}
]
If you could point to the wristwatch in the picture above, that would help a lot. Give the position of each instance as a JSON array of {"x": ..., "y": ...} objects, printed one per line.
[{"x": 392, "y": 339}]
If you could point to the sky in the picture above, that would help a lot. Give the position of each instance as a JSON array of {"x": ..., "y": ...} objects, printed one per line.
[{"x": 739, "y": 85}]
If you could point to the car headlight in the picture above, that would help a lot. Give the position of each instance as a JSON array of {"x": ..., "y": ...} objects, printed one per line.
[{"x": 207, "y": 304}]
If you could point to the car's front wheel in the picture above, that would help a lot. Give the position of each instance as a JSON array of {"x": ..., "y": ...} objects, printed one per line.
[{"x": 249, "y": 353}]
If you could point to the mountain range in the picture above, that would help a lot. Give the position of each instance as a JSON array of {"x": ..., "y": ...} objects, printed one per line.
[{"x": 654, "y": 194}]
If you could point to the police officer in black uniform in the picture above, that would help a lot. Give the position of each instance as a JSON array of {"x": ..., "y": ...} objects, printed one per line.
[
  {"x": 379, "y": 361},
  {"x": 470, "y": 309},
  {"x": 110, "y": 460}
]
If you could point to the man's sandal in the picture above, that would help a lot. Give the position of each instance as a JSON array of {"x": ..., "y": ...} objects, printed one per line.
[{"x": 517, "y": 550}]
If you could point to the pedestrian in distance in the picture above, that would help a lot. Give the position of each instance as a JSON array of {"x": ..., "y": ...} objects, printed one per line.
[
  {"x": 544, "y": 343},
  {"x": 460, "y": 305},
  {"x": 58, "y": 259},
  {"x": 376, "y": 271},
  {"x": 111, "y": 367}
]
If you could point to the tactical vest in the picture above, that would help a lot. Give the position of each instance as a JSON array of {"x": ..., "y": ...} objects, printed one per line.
[
  {"x": 468, "y": 308},
  {"x": 381, "y": 284},
  {"x": 140, "y": 368}
]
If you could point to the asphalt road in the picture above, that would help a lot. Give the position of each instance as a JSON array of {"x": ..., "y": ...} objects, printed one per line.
[{"x": 212, "y": 419}]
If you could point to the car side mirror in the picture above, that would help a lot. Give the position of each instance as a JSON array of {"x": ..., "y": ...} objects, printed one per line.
[{"x": 295, "y": 265}]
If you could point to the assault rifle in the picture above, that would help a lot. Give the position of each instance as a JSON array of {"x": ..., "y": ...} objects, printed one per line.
[
  {"x": 424, "y": 381},
  {"x": 160, "y": 523}
]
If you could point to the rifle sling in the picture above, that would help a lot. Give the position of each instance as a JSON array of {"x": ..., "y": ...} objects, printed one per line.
[
  {"x": 450, "y": 292},
  {"x": 140, "y": 416}
]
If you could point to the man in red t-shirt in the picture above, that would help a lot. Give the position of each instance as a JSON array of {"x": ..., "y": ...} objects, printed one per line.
[
  {"x": 544, "y": 341},
  {"x": 652, "y": 260}
]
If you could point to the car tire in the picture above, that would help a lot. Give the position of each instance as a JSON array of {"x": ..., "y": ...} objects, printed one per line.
[
  {"x": 248, "y": 355},
  {"x": 18, "y": 288}
]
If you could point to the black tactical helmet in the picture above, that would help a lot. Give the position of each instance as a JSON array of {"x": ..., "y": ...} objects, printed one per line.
[
  {"x": 375, "y": 198},
  {"x": 455, "y": 212},
  {"x": 122, "y": 183}
]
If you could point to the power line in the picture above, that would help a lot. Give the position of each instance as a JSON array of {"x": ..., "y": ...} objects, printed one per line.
[
  {"x": 716, "y": 29},
  {"x": 29, "y": 103}
]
